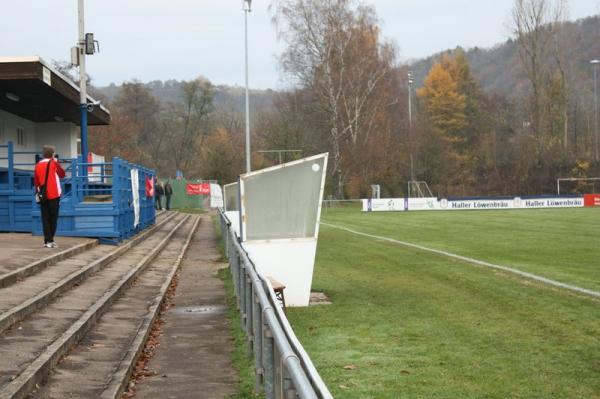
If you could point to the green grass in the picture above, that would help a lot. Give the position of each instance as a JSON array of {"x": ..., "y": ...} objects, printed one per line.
[
  {"x": 561, "y": 244},
  {"x": 242, "y": 362},
  {"x": 418, "y": 325}
]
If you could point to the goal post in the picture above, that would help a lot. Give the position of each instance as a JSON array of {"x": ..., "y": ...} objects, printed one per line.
[
  {"x": 418, "y": 189},
  {"x": 589, "y": 184}
]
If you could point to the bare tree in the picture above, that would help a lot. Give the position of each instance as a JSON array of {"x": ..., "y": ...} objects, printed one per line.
[
  {"x": 197, "y": 105},
  {"x": 333, "y": 49},
  {"x": 536, "y": 25}
]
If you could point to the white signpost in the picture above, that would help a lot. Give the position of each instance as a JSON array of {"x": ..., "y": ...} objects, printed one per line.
[{"x": 280, "y": 209}]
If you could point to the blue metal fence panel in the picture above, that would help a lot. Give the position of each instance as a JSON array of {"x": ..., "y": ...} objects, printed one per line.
[{"x": 112, "y": 220}]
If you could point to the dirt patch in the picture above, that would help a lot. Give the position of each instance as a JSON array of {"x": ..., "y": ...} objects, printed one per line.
[{"x": 319, "y": 298}]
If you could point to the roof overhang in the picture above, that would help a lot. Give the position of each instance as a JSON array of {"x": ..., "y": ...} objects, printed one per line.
[{"x": 33, "y": 90}]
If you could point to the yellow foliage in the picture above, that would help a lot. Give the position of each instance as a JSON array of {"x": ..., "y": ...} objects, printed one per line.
[{"x": 445, "y": 104}]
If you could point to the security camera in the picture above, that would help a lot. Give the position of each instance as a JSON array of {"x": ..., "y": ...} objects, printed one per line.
[{"x": 90, "y": 106}]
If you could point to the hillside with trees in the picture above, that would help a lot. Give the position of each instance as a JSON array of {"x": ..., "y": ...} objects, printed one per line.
[{"x": 502, "y": 121}]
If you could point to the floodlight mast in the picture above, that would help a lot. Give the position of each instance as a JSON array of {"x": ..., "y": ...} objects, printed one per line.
[
  {"x": 247, "y": 4},
  {"x": 82, "y": 86},
  {"x": 595, "y": 64},
  {"x": 279, "y": 152},
  {"x": 410, "y": 83}
]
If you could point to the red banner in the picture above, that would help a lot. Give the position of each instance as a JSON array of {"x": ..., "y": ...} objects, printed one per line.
[
  {"x": 591, "y": 200},
  {"x": 197, "y": 189},
  {"x": 149, "y": 187}
]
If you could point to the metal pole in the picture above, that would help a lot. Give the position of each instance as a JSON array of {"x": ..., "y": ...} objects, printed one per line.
[
  {"x": 410, "y": 82},
  {"x": 596, "y": 107},
  {"x": 82, "y": 87},
  {"x": 248, "y": 165}
]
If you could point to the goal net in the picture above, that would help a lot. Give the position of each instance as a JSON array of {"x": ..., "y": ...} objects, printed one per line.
[{"x": 418, "y": 189}]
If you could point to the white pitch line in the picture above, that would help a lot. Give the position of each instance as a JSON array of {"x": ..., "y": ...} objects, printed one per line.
[{"x": 535, "y": 277}]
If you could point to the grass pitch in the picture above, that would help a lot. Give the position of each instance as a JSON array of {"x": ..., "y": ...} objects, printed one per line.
[{"x": 410, "y": 324}]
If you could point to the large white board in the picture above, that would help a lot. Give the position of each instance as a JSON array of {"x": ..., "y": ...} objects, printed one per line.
[{"x": 280, "y": 209}]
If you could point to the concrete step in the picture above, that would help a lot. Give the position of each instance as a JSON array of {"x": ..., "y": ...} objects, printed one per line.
[
  {"x": 99, "y": 367},
  {"x": 19, "y": 273},
  {"x": 24, "y": 297},
  {"x": 31, "y": 348}
]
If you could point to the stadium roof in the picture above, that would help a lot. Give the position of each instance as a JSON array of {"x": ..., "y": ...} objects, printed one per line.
[{"x": 33, "y": 90}]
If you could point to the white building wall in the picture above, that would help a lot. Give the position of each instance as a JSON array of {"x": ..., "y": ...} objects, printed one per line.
[
  {"x": 62, "y": 135},
  {"x": 10, "y": 124}
]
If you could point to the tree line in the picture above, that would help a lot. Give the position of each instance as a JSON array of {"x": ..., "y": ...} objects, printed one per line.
[{"x": 349, "y": 97}]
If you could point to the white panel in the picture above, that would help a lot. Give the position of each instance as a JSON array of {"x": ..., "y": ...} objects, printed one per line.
[
  {"x": 231, "y": 197},
  {"x": 289, "y": 261},
  {"x": 135, "y": 191},
  {"x": 283, "y": 201},
  {"x": 234, "y": 218},
  {"x": 216, "y": 196}
]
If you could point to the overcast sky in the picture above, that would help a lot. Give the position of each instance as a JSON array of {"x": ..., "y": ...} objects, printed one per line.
[{"x": 181, "y": 39}]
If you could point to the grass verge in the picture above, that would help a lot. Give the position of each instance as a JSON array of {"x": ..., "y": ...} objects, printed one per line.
[{"x": 242, "y": 362}]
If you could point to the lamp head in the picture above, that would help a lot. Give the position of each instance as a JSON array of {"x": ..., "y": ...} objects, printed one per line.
[
  {"x": 247, "y": 4},
  {"x": 595, "y": 62}
]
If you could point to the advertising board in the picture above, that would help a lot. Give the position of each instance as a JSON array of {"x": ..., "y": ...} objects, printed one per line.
[{"x": 424, "y": 204}]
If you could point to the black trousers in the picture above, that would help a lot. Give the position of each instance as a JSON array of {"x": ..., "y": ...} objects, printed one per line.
[
  {"x": 168, "y": 200},
  {"x": 158, "y": 202},
  {"x": 49, "y": 210}
]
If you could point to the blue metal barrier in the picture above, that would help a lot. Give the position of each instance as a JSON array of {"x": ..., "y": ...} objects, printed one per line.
[
  {"x": 92, "y": 204},
  {"x": 15, "y": 192}
]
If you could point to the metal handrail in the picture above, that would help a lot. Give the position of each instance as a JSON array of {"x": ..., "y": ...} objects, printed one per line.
[{"x": 282, "y": 367}]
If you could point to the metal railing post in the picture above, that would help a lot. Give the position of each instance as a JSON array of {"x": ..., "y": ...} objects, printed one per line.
[
  {"x": 248, "y": 310},
  {"x": 242, "y": 296},
  {"x": 289, "y": 391},
  {"x": 258, "y": 339},
  {"x": 268, "y": 356}
]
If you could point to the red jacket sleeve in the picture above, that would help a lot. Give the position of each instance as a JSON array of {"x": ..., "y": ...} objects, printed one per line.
[
  {"x": 36, "y": 180},
  {"x": 59, "y": 170}
]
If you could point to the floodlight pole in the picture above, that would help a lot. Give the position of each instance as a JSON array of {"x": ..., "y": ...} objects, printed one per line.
[
  {"x": 82, "y": 86},
  {"x": 595, "y": 66},
  {"x": 410, "y": 82},
  {"x": 279, "y": 152},
  {"x": 247, "y": 8}
]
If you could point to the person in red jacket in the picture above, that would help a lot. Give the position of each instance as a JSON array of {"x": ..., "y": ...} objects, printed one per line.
[{"x": 49, "y": 207}]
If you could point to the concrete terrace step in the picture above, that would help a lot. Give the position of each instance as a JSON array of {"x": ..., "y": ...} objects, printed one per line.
[
  {"x": 15, "y": 273},
  {"x": 100, "y": 365},
  {"x": 30, "y": 349},
  {"x": 24, "y": 297}
]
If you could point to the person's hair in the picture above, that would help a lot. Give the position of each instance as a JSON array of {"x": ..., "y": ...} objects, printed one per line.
[{"x": 48, "y": 151}]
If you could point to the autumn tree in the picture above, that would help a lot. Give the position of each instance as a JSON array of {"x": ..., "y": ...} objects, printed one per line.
[
  {"x": 335, "y": 51},
  {"x": 220, "y": 158}
]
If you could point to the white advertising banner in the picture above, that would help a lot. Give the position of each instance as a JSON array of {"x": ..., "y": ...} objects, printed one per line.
[
  {"x": 423, "y": 204},
  {"x": 384, "y": 204},
  {"x": 135, "y": 192},
  {"x": 216, "y": 196}
]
